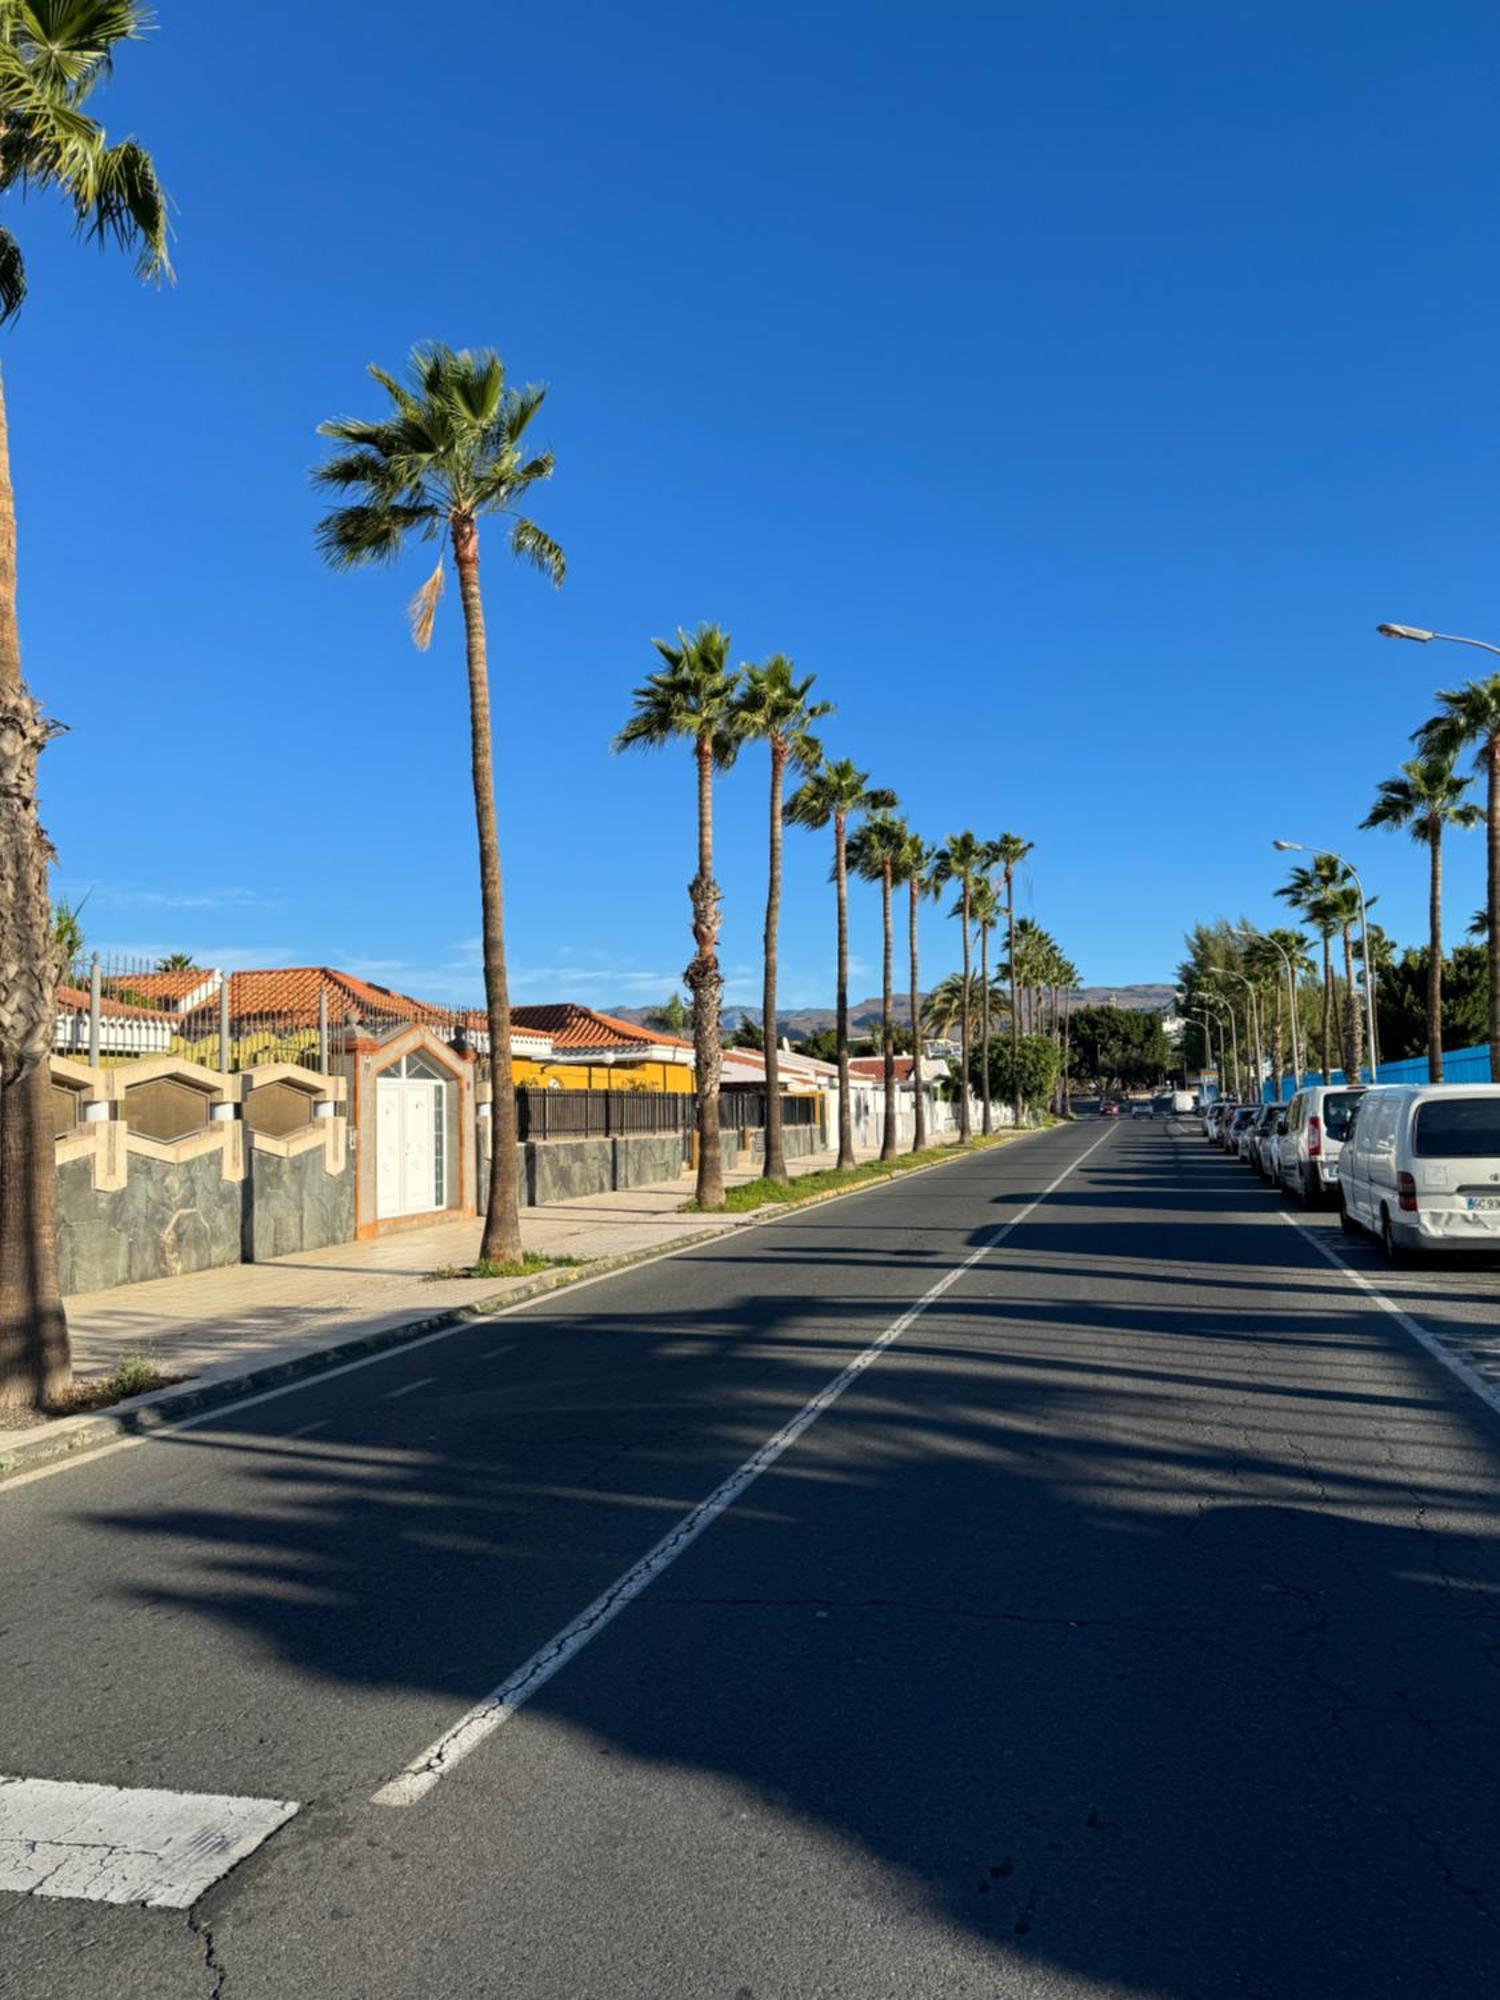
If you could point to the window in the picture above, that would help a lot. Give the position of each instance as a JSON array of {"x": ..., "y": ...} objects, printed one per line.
[
  {"x": 1338, "y": 1109},
  {"x": 1457, "y": 1128}
]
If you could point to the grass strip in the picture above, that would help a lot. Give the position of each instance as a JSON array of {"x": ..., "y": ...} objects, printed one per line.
[
  {"x": 491, "y": 1267},
  {"x": 830, "y": 1180}
]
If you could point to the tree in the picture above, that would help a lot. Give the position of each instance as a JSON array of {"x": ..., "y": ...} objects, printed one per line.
[
  {"x": 1309, "y": 889},
  {"x": 1012, "y": 850},
  {"x": 913, "y": 866},
  {"x": 1469, "y": 718},
  {"x": 1024, "y": 1071},
  {"x": 1126, "y": 1045},
  {"x": 962, "y": 860},
  {"x": 67, "y": 932},
  {"x": 874, "y": 851},
  {"x": 694, "y": 696},
  {"x": 671, "y": 1018},
  {"x": 451, "y": 449},
  {"x": 1427, "y": 797},
  {"x": 177, "y": 961},
  {"x": 749, "y": 1035},
  {"x": 773, "y": 708},
  {"x": 53, "y": 55},
  {"x": 986, "y": 914},
  {"x": 830, "y": 796}
]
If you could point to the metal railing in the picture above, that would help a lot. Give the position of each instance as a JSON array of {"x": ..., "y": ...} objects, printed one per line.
[
  {"x": 602, "y": 1114},
  {"x": 745, "y": 1111}
]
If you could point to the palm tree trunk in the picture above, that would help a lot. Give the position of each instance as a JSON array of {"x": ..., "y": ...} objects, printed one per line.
[
  {"x": 841, "y": 1019},
  {"x": 965, "y": 1123},
  {"x": 1278, "y": 1071},
  {"x": 1353, "y": 1038},
  {"x": 1492, "y": 841},
  {"x": 1015, "y": 1018},
  {"x": 919, "y": 1101},
  {"x": 500, "y": 1241},
  {"x": 887, "y": 996},
  {"x": 706, "y": 984},
  {"x": 35, "y": 1366},
  {"x": 775, "y": 1149},
  {"x": 986, "y": 1120},
  {"x": 1434, "y": 958},
  {"x": 1327, "y": 1007}
]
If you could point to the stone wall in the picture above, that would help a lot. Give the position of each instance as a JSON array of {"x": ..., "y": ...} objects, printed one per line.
[
  {"x": 168, "y": 1218},
  {"x": 293, "y": 1203}
]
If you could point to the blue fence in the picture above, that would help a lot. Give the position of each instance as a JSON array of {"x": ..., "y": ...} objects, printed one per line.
[{"x": 1459, "y": 1066}]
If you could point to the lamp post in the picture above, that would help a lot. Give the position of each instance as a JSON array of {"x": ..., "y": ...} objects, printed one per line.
[
  {"x": 1205, "y": 1022},
  {"x": 1244, "y": 930},
  {"x": 1254, "y": 1030},
  {"x": 1302, "y": 847},
  {"x": 1217, "y": 1000}
]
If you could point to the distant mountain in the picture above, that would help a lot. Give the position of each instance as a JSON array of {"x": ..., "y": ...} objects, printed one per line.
[{"x": 795, "y": 1022}]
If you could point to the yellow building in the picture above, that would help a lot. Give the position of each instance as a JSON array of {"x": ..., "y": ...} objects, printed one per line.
[{"x": 594, "y": 1051}]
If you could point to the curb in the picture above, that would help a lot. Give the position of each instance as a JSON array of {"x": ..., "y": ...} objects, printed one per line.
[{"x": 160, "y": 1409}]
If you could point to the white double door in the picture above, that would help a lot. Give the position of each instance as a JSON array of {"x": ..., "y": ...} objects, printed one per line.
[{"x": 408, "y": 1146}]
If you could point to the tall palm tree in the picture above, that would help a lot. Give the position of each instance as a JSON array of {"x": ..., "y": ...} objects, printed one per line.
[
  {"x": 1308, "y": 889},
  {"x": 986, "y": 914},
  {"x": 451, "y": 449},
  {"x": 773, "y": 707},
  {"x": 1012, "y": 850},
  {"x": 914, "y": 866},
  {"x": 1342, "y": 906},
  {"x": 1271, "y": 963},
  {"x": 1469, "y": 718},
  {"x": 1427, "y": 796},
  {"x": 53, "y": 55},
  {"x": 962, "y": 860},
  {"x": 694, "y": 696},
  {"x": 830, "y": 796},
  {"x": 874, "y": 851}
]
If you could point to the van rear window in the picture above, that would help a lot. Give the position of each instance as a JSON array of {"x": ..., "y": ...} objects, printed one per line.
[
  {"x": 1458, "y": 1128},
  {"x": 1338, "y": 1109}
]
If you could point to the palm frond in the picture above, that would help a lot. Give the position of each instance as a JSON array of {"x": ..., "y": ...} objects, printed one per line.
[
  {"x": 529, "y": 542},
  {"x": 12, "y": 276},
  {"x": 422, "y": 611}
]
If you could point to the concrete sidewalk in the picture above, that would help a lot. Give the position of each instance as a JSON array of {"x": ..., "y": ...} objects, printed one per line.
[{"x": 219, "y": 1326}]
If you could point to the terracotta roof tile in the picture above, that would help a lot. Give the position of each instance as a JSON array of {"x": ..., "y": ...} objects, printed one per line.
[{"x": 572, "y": 1026}]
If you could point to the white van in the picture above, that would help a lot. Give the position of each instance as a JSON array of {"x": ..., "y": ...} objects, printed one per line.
[
  {"x": 1421, "y": 1167},
  {"x": 1308, "y": 1150}
]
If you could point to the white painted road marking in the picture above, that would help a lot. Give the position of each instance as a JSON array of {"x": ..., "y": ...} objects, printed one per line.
[
  {"x": 407, "y": 1387},
  {"x": 501, "y": 1703},
  {"x": 305, "y": 1430},
  {"x": 104, "y": 1845},
  {"x": 1454, "y": 1363},
  {"x": 496, "y": 1352}
]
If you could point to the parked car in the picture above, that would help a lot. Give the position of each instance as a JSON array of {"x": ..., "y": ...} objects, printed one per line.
[
  {"x": 1213, "y": 1122},
  {"x": 1421, "y": 1167},
  {"x": 1237, "y": 1132},
  {"x": 1264, "y": 1140},
  {"x": 1317, "y": 1120},
  {"x": 1109, "y": 1109},
  {"x": 1142, "y": 1111}
]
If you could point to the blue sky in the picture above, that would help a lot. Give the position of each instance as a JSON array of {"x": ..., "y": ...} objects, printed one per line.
[{"x": 1072, "y": 388}]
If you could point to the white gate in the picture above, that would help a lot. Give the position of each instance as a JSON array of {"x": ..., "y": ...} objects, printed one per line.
[{"x": 410, "y": 1140}]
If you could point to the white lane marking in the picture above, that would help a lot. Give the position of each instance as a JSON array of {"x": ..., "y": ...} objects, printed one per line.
[
  {"x": 503, "y": 1702},
  {"x": 220, "y": 1411},
  {"x": 407, "y": 1387},
  {"x": 305, "y": 1430},
  {"x": 102, "y": 1844},
  {"x": 496, "y": 1352},
  {"x": 1471, "y": 1378}
]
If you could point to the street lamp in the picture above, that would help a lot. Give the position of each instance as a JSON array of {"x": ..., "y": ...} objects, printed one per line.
[
  {"x": 1244, "y": 930},
  {"x": 1255, "y": 1029},
  {"x": 1301, "y": 847},
  {"x": 1425, "y": 638},
  {"x": 1218, "y": 1000}
]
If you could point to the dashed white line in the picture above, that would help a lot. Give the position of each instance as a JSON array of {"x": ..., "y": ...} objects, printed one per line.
[
  {"x": 407, "y": 1388},
  {"x": 503, "y": 1702},
  {"x": 306, "y": 1430},
  {"x": 1454, "y": 1363}
]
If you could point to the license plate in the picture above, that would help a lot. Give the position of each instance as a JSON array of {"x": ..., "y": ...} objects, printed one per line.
[{"x": 1486, "y": 1201}]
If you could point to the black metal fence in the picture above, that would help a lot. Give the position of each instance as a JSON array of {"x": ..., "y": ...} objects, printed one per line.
[
  {"x": 745, "y": 1111},
  {"x": 602, "y": 1114}
]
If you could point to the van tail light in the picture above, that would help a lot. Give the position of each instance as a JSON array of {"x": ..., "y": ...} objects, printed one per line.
[
  {"x": 1406, "y": 1193},
  {"x": 1314, "y": 1138}
]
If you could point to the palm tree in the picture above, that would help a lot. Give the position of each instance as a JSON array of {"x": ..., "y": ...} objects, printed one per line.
[
  {"x": 1427, "y": 796},
  {"x": 176, "y": 961},
  {"x": 874, "y": 851},
  {"x": 53, "y": 55},
  {"x": 773, "y": 707},
  {"x": 1012, "y": 851},
  {"x": 1469, "y": 718},
  {"x": 694, "y": 696},
  {"x": 829, "y": 796},
  {"x": 962, "y": 860},
  {"x": 913, "y": 866},
  {"x": 1268, "y": 960},
  {"x": 986, "y": 914},
  {"x": 1307, "y": 889},
  {"x": 451, "y": 449},
  {"x": 1342, "y": 906}
]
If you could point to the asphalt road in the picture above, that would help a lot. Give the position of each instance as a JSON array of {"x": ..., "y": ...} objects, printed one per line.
[{"x": 1130, "y": 1626}]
